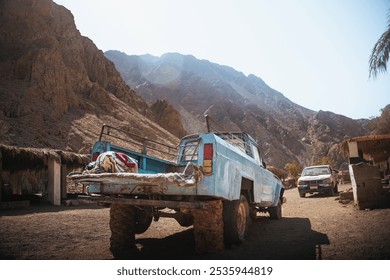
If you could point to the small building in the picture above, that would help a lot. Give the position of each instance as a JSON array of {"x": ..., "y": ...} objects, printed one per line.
[{"x": 369, "y": 166}]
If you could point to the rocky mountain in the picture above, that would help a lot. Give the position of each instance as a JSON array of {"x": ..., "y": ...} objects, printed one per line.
[
  {"x": 285, "y": 131},
  {"x": 57, "y": 88}
]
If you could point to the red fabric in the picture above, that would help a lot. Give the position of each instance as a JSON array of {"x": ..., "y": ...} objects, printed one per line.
[{"x": 123, "y": 158}]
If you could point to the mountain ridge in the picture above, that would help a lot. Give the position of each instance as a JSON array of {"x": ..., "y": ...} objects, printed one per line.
[
  {"x": 57, "y": 89},
  {"x": 244, "y": 103}
]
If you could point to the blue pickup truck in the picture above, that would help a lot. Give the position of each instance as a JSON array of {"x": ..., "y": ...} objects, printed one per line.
[{"x": 218, "y": 183}]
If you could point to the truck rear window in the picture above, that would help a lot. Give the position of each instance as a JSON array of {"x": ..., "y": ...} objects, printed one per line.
[
  {"x": 238, "y": 141},
  {"x": 190, "y": 151}
]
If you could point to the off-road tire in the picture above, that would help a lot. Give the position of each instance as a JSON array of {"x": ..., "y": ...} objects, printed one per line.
[
  {"x": 122, "y": 226},
  {"x": 236, "y": 219},
  {"x": 302, "y": 194},
  {"x": 208, "y": 228},
  {"x": 143, "y": 219},
  {"x": 275, "y": 212}
]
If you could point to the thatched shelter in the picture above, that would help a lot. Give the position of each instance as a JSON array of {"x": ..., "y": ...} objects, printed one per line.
[
  {"x": 16, "y": 158},
  {"x": 30, "y": 171}
]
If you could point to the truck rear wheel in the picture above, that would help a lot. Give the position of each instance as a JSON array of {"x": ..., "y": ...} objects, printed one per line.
[
  {"x": 236, "y": 219},
  {"x": 122, "y": 226},
  {"x": 208, "y": 228}
]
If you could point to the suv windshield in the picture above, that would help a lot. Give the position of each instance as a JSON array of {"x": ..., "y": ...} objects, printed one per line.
[{"x": 315, "y": 171}]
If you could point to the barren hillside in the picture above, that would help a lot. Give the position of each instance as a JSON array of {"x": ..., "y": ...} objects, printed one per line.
[{"x": 57, "y": 88}]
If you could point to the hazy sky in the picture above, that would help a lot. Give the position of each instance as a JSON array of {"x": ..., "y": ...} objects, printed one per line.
[{"x": 315, "y": 52}]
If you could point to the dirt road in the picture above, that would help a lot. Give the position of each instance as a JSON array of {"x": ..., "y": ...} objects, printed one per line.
[{"x": 315, "y": 227}]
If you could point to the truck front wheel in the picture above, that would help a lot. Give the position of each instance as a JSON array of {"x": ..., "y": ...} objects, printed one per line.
[
  {"x": 236, "y": 219},
  {"x": 275, "y": 212},
  {"x": 122, "y": 226}
]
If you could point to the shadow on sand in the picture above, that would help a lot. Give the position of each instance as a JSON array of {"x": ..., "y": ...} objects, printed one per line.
[{"x": 285, "y": 239}]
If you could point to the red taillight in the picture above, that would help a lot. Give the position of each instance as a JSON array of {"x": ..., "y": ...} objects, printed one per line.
[
  {"x": 208, "y": 151},
  {"x": 208, "y": 159}
]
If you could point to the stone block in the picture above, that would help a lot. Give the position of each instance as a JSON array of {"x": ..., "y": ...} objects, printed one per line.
[{"x": 366, "y": 185}]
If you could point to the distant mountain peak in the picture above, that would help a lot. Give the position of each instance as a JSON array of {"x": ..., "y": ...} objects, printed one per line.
[{"x": 240, "y": 102}]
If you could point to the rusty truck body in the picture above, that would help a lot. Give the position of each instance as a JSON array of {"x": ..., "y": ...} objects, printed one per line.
[{"x": 218, "y": 180}]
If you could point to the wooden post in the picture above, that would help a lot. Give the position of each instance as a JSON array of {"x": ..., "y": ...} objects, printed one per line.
[
  {"x": 64, "y": 172},
  {"x": 54, "y": 184}
]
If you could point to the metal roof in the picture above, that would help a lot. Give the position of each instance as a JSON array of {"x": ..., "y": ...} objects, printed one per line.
[{"x": 377, "y": 146}]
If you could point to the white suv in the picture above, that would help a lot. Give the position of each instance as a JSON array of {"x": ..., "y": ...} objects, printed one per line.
[{"x": 318, "y": 179}]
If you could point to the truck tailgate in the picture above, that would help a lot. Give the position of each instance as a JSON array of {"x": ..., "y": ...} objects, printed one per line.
[
  {"x": 138, "y": 183},
  {"x": 178, "y": 179}
]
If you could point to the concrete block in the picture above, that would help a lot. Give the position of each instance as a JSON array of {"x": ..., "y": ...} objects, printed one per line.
[{"x": 366, "y": 185}]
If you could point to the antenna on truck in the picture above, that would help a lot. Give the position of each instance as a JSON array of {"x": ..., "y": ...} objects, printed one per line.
[
  {"x": 231, "y": 137},
  {"x": 210, "y": 121},
  {"x": 208, "y": 118}
]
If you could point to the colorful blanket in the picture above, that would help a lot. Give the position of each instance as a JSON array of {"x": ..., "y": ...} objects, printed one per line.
[{"x": 112, "y": 162}]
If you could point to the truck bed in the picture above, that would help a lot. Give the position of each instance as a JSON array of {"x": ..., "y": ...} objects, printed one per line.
[{"x": 173, "y": 183}]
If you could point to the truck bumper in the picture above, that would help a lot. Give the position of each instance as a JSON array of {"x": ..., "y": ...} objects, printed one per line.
[
  {"x": 314, "y": 189},
  {"x": 148, "y": 202}
]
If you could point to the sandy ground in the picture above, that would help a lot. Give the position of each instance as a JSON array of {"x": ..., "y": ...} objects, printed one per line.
[{"x": 315, "y": 227}]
